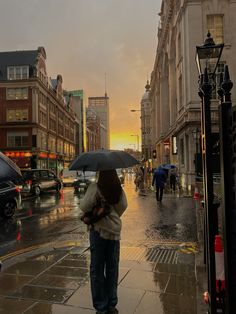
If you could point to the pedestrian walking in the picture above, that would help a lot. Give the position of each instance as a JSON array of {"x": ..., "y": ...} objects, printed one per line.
[
  {"x": 173, "y": 181},
  {"x": 159, "y": 180},
  {"x": 105, "y": 239},
  {"x": 140, "y": 181}
]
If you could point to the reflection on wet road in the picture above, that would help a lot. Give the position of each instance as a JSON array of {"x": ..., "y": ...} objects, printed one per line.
[
  {"x": 51, "y": 218},
  {"x": 157, "y": 270},
  {"x": 43, "y": 219},
  {"x": 173, "y": 220}
]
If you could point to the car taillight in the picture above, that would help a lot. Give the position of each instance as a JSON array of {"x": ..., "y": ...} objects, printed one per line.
[
  {"x": 17, "y": 189},
  {"x": 29, "y": 182}
]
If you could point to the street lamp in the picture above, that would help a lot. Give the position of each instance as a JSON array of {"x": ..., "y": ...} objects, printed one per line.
[
  {"x": 137, "y": 136},
  {"x": 134, "y": 110},
  {"x": 207, "y": 58}
]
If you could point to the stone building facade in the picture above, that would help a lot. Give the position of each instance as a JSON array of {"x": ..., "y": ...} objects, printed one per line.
[
  {"x": 146, "y": 149},
  {"x": 102, "y": 108},
  {"x": 175, "y": 104}
]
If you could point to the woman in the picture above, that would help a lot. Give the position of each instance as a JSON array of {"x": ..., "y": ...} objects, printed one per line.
[{"x": 105, "y": 240}]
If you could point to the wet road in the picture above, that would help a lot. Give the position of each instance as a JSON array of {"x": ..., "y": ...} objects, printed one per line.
[
  {"x": 54, "y": 218},
  {"x": 46, "y": 261},
  {"x": 42, "y": 220}
]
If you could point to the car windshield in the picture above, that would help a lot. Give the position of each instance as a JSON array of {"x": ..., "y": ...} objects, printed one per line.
[
  {"x": 87, "y": 173},
  {"x": 69, "y": 173}
]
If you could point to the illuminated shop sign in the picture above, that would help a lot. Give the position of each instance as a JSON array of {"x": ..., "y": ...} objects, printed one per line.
[
  {"x": 18, "y": 154},
  {"x": 174, "y": 145}
]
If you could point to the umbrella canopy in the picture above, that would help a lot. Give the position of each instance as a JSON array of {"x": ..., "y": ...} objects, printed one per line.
[
  {"x": 103, "y": 159},
  {"x": 8, "y": 169},
  {"x": 168, "y": 166}
]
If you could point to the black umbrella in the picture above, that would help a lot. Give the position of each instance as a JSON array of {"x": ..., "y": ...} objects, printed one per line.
[
  {"x": 8, "y": 169},
  {"x": 103, "y": 159}
]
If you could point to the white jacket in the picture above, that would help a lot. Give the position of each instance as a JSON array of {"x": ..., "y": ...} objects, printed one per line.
[{"x": 109, "y": 227}]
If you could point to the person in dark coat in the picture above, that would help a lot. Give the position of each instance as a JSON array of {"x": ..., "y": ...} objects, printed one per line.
[
  {"x": 173, "y": 181},
  {"x": 159, "y": 180}
]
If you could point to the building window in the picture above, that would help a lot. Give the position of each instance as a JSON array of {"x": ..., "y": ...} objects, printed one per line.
[
  {"x": 60, "y": 129},
  {"x": 42, "y": 140},
  {"x": 52, "y": 144},
  {"x": 215, "y": 27},
  {"x": 52, "y": 124},
  {"x": 18, "y": 72},
  {"x": 180, "y": 92},
  {"x": 60, "y": 146},
  {"x": 179, "y": 47},
  {"x": 42, "y": 118},
  {"x": 181, "y": 151},
  {"x": 17, "y": 93},
  {"x": 216, "y": 81},
  {"x": 17, "y": 115},
  {"x": 17, "y": 139}
]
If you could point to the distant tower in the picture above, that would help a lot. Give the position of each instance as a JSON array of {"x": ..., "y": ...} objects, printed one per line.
[
  {"x": 101, "y": 106},
  {"x": 145, "y": 123}
]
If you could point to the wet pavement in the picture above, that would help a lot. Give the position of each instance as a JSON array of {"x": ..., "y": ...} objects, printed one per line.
[{"x": 46, "y": 267}]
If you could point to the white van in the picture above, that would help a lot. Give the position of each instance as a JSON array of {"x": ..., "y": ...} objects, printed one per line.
[{"x": 68, "y": 177}]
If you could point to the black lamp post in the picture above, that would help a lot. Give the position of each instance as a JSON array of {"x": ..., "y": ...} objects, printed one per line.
[{"x": 207, "y": 58}]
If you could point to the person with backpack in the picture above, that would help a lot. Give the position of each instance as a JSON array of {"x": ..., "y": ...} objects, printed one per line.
[
  {"x": 103, "y": 204},
  {"x": 159, "y": 180}
]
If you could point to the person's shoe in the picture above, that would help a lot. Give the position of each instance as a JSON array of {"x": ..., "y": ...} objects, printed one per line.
[
  {"x": 112, "y": 310},
  {"x": 101, "y": 312}
]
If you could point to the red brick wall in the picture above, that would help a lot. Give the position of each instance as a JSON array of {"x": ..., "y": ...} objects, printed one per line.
[{"x": 13, "y": 126}]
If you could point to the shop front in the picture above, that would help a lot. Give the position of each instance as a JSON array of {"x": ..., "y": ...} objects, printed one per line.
[
  {"x": 21, "y": 158},
  {"x": 42, "y": 160},
  {"x": 52, "y": 162}
]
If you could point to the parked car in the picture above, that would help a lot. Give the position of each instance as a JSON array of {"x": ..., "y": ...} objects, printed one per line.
[
  {"x": 68, "y": 177},
  {"x": 36, "y": 181},
  {"x": 83, "y": 180},
  {"x": 121, "y": 175},
  {"x": 10, "y": 199}
]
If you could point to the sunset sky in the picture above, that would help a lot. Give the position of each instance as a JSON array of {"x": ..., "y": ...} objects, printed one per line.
[{"x": 84, "y": 39}]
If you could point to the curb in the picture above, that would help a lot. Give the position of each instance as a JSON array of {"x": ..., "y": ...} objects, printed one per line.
[{"x": 14, "y": 257}]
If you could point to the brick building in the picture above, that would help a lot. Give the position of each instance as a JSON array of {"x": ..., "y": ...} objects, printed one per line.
[{"x": 36, "y": 123}]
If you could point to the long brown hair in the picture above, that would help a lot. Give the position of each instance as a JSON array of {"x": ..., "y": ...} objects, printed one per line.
[{"x": 109, "y": 185}]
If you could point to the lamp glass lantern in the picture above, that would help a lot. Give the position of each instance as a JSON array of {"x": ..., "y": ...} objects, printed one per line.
[{"x": 208, "y": 55}]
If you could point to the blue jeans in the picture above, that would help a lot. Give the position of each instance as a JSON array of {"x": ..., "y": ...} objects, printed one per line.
[{"x": 104, "y": 269}]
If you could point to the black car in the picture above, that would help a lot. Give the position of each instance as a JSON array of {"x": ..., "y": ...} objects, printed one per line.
[
  {"x": 83, "y": 180},
  {"x": 10, "y": 199},
  {"x": 36, "y": 181}
]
